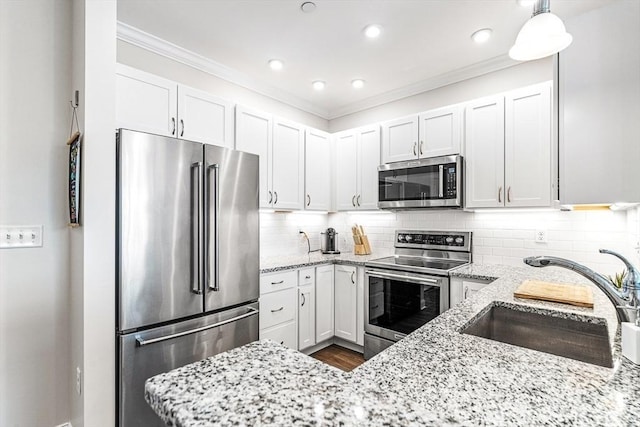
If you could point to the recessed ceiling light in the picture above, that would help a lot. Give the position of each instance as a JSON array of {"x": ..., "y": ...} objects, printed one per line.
[
  {"x": 526, "y": 3},
  {"x": 319, "y": 85},
  {"x": 372, "y": 31},
  {"x": 276, "y": 64},
  {"x": 308, "y": 7},
  {"x": 357, "y": 83},
  {"x": 482, "y": 35}
]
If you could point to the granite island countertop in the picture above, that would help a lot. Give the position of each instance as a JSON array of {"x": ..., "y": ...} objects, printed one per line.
[{"x": 434, "y": 376}]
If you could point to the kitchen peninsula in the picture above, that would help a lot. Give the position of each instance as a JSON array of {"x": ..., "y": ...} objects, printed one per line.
[{"x": 435, "y": 376}]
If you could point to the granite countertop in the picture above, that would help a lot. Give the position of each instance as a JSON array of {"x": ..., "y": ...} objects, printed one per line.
[
  {"x": 288, "y": 262},
  {"x": 435, "y": 376}
]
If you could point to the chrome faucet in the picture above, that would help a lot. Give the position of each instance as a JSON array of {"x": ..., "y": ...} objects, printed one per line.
[{"x": 626, "y": 300}]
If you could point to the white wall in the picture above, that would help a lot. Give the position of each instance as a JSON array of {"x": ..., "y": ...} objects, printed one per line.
[
  {"x": 520, "y": 75},
  {"x": 142, "y": 59},
  {"x": 93, "y": 247},
  {"x": 35, "y": 62}
]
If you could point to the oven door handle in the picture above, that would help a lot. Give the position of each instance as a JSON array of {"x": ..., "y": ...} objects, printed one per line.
[{"x": 400, "y": 276}]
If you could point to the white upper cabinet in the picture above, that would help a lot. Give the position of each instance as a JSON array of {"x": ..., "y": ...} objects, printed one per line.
[
  {"x": 400, "y": 139},
  {"x": 430, "y": 134},
  {"x": 145, "y": 102},
  {"x": 599, "y": 106},
  {"x": 346, "y": 170},
  {"x": 253, "y": 135},
  {"x": 204, "y": 118},
  {"x": 288, "y": 165},
  {"x": 527, "y": 147},
  {"x": 508, "y": 149},
  {"x": 280, "y": 145},
  {"x": 368, "y": 162},
  {"x": 440, "y": 132},
  {"x": 149, "y": 103},
  {"x": 317, "y": 170},
  {"x": 357, "y": 161},
  {"x": 484, "y": 148}
]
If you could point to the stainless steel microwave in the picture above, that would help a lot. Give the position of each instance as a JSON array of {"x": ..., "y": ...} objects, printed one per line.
[{"x": 434, "y": 182}]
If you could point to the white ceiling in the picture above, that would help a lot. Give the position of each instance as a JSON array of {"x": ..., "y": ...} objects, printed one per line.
[{"x": 422, "y": 41}]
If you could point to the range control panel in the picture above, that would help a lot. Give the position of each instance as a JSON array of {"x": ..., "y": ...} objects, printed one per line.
[{"x": 437, "y": 240}]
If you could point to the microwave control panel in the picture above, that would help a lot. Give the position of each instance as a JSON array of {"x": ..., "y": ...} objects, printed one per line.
[{"x": 450, "y": 181}]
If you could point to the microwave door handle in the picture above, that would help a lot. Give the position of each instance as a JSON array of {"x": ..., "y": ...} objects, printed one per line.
[
  {"x": 216, "y": 209},
  {"x": 441, "y": 181}
]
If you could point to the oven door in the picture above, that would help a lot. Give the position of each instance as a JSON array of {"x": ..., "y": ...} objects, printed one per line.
[{"x": 397, "y": 303}]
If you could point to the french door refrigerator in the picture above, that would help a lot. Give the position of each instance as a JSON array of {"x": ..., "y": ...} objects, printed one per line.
[{"x": 188, "y": 259}]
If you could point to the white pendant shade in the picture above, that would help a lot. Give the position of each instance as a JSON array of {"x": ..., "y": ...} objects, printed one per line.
[{"x": 542, "y": 35}]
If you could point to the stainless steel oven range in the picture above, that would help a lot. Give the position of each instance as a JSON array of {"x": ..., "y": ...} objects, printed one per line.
[{"x": 407, "y": 290}]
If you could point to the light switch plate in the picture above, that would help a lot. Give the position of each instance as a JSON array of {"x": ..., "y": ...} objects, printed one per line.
[{"x": 20, "y": 236}]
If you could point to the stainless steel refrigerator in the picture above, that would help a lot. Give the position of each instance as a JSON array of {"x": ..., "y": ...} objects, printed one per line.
[{"x": 188, "y": 259}]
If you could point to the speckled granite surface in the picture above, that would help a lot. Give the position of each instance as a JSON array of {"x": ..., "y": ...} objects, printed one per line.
[
  {"x": 435, "y": 376},
  {"x": 288, "y": 262}
]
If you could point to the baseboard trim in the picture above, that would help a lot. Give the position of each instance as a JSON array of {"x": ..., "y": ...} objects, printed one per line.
[{"x": 333, "y": 340}]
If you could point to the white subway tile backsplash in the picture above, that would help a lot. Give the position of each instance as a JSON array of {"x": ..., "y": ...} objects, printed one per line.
[{"x": 499, "y": 237}]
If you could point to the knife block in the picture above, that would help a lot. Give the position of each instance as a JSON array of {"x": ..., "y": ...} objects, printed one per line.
[{"x": 364, "y": 248}]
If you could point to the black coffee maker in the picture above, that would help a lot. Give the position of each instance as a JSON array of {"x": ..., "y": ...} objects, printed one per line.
[{"x": 329, "y": 241}]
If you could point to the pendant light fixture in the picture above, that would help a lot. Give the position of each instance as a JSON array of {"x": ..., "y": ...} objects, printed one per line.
[{"x": 542, "y": 35}]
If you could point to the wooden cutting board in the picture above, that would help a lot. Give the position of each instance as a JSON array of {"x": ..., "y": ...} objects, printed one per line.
[{"x": 555, "y": 292}]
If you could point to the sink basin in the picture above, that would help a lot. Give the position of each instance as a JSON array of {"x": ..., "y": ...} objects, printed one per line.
[{"x": 584, "y": 341}]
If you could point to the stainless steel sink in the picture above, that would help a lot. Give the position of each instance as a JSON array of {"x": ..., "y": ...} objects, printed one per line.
[{"x": 584, "y": 341}]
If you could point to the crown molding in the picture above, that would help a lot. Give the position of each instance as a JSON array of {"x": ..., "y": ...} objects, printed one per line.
[
  {"x": 455, "y": 76},
  {"x": 144, "y": 40},
  {"x": 159, "y": 46}
]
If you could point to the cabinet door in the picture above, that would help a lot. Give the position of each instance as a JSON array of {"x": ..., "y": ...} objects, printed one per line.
[
  {"x": 527, "y": 147},
  {"x": 484, "y": 148},
  {"x": 345, "y": 302},
  {"x": 204, "y": 118},
  {"x": 306, "y": 317},
  {"x": 317, "y": 170},
  {"x": 368, "y": 162},
  {"x": 469, "y": 288},
  {"x": 461, "y": 289},
  {"x": 288, "y": 165},
  {"x": 253, "y": 135},
  {"x": 145, "y": 102},
  {"x": 346, "y": 171},
  {"x": 285, "y": 334},
  {"x": 599, "y": 108},
  {"x": 360, "y": 306},
  {"x": 400, "y": 139},
  {"x": 440, "y": 132},
  {"x": 324, "y": 303}
]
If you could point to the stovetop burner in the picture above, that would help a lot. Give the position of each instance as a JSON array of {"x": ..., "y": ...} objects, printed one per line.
[{"x": 428, "y": 252}]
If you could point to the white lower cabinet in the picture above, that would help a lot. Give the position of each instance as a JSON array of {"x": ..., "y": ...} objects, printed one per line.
[
  {"x": 284, "y": 334},
  {"x": 461, "y": 289},
  {"x": 324, "y": 303},
  {"x": 279, "y": 308},
  {"x": 346, "y": 291},
  {"x": 306, "y": 317}
]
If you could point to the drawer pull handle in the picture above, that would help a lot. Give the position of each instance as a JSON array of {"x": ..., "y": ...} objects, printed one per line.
[
  {"x": 275, "y": 311},
  {"x": 307, "y": 277},
  {"x": 278, "y": 283},
  {"x": 282, "y": 342}
]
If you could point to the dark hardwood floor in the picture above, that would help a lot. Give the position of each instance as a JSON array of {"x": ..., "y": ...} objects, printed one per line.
[{"x": 339, "y": 357}]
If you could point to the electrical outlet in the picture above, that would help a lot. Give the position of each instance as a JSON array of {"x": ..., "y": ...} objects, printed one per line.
[
  {"x": 78, "y": 381},
  {"x": 541, "y": 236}
]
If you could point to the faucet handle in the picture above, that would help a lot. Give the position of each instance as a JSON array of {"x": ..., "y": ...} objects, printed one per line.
[{"x": 633, "y": 275}]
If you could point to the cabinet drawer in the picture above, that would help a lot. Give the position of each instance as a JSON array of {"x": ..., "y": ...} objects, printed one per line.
[
  {"x": 278, "y": 281},
  {"x": 284, "y": 334},
  {"x": 307, "y": 276},
  {"x": 278, "y": 307}
]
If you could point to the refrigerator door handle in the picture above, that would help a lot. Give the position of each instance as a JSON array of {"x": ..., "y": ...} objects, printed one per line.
[
  {"x": 196, "y": 220},
  {"x": 142, "y": 342},
  {"x": 216, "y": 210}
]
